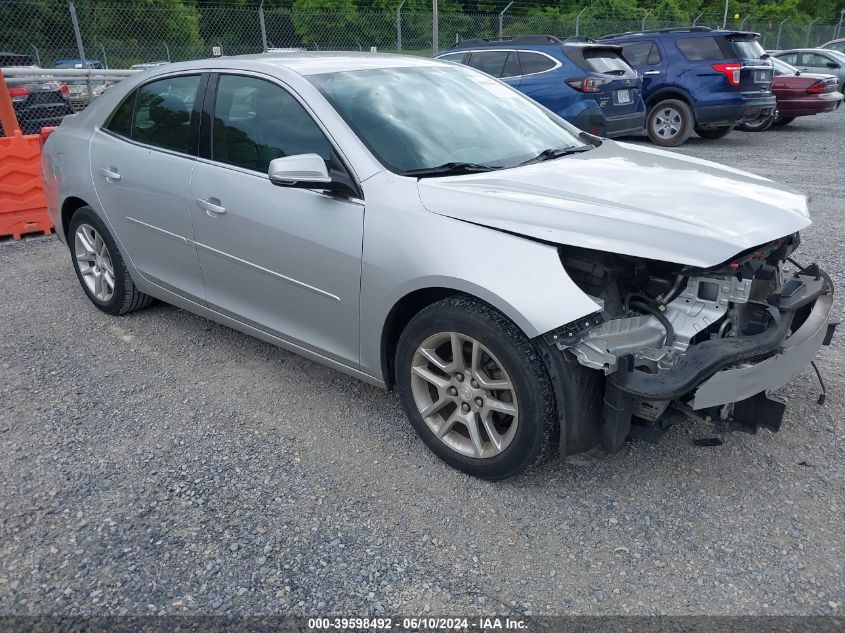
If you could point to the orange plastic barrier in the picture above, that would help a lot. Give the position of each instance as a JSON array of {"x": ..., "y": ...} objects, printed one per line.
[{"x": 23, "y": 208}]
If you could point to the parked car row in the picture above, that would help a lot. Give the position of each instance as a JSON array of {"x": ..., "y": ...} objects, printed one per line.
[
  {"x": 37, "y": 103},
  {"x": 45, "y": 101},
  {"x": 667, "y": 82}
]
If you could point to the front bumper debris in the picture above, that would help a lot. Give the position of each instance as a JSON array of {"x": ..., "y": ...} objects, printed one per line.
[{"x": 727, "y": 370}]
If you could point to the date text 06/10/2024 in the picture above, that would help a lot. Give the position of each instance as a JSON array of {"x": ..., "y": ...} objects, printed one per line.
[{"x": 418, "y": 624}]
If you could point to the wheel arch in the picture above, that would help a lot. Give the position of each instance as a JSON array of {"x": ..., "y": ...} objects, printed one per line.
[
  {"x": 414, "y": 301},
  {"x": 71, "y": 205},
  {"x": 670, "y": 93}
]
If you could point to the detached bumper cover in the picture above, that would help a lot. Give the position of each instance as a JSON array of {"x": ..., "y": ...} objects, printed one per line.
[{"x": 769, "y": 360}]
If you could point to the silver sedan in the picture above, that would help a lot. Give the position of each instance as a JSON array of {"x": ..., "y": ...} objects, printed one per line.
[{"x": 525, "y": 286}]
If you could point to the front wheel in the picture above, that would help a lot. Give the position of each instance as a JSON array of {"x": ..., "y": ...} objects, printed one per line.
[
  {"x": 475, "y": 389},
  {"x": 669, "y": 123},
  {"x": 713, "y": 132}
]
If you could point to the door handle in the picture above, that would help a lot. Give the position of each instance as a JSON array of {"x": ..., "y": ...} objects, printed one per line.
[
  {"x": 110, "y": 173},
  {"x": 651, "y": 73},
  {"x": 212, "y": 206}
]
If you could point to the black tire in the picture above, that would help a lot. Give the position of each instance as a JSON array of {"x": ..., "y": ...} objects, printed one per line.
[
  {"x": 784, "y": 121},
  {"x": 537, "y": 430},
  {"x": 686, "y": 121},
  {"x": 758, "y": 125},
  {"x": 714, "y": 132},
  {"x": 126, "y": 297}
]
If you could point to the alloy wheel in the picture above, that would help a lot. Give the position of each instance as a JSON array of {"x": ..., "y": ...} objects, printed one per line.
[
  {"x": 94, "y": 262},
  {"x": 667, "y": 123},
  {"x": 464, "y": 395}
]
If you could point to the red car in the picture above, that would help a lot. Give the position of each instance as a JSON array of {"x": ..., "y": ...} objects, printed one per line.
[{"x": 797, "y": 94}]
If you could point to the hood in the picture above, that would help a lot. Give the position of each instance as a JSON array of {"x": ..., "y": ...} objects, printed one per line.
[{"x": 627, "y": 199}]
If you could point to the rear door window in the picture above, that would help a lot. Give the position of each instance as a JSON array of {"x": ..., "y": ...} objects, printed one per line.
[
  {"x": 163, "y": 112},
  {"x": 512, "y": 67},
  {"x": 790, "y": 58},
  {"x": 644, "y": 53},
  {"x": 121, "y": 120},
  {"x": 697, "y": 49},
  {"x": 453, "y": 57},
  {"x": 533, "y": 63},
  {"x": 490, "y": 62}
]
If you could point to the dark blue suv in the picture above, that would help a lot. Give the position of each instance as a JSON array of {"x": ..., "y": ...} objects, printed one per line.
[
  {"x": 590, "y": 85},
  {"x": 698, "y": 79}
]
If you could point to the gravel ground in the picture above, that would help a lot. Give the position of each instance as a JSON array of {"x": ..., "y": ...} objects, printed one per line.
[{"x": 159, "y": 463}]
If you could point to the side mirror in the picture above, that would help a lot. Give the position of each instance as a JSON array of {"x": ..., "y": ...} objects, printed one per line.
[{"x": 305, "y": 171}]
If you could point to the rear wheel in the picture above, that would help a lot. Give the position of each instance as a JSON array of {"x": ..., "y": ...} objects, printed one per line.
[
  {"x": 713, "y": 132},
  {"x": 760, "y": 124},
  {"x": 100, "y": 267},
  {"x": 475, "y": 389},
  {"x": 669, "y": 123},
  {"x": 784, "y": 121}
]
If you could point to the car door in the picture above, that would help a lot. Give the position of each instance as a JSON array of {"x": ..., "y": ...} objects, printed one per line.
[
  {"x": 142, "y": 161},
  {"x": 282, "y": 259},
  {"x": 821, "y": 63},
  {"x": 645, "y": 56}
]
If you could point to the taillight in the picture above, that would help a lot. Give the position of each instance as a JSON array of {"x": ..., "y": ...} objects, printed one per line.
[
  {"x": 45, "y": 133},
  {"x": 819, "y": 87},
  {"x": 18, "y": 94},
  {"x": 731, "y": 71},
  {"x": 588, "y": 84},
  {"x": 64, "y": 90}
]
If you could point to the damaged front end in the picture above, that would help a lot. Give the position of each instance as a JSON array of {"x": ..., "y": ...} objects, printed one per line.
[{"x": 709, "y": 342}]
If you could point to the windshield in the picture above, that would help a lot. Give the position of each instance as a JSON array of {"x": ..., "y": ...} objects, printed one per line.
[
  {"x": 748, "y": 49},
  {"x": 420, "y": 118},
  {"x": 782, "y": 68}
]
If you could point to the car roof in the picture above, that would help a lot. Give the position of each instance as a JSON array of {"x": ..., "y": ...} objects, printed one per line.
[
  {"x": 689, "y": 31},
  {"x": 307, "y": 63}
]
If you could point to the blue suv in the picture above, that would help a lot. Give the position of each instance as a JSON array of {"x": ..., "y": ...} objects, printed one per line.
[
  {"x": 590, "y": 85},
  {"x": 700, "y": 79}
]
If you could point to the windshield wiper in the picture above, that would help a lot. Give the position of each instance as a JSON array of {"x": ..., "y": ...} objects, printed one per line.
[
  {"x": 449, "y": 169},
  {"x": 556, "y": 152}
]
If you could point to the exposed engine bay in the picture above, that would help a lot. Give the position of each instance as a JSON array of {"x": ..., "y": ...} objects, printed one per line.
[{"x": 664, "y": 331}]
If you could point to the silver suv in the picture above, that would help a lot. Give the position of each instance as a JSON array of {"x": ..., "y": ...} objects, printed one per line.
[{"x": 525, "y": 286}]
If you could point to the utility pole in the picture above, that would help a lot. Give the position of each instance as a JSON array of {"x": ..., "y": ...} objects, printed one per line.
[
  {"x": 578, "y": 22},
  {"x": 809, "y": 30},
  {"x": 501, "y": 18},
  {"x": 725, "y": 17},
  {"x": 780, "y": 28},
  {"x": 435, "y": 30},
  {"x": 399, "y": 27},
  {"x": 262, "y": 26},
  {"x": 642, "y": 24}
]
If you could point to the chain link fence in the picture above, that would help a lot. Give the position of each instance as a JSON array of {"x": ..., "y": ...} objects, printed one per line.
[{"x": 57, "y": 34}]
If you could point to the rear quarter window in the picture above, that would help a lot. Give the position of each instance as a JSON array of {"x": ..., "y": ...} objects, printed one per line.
[
  {"x": 697, "y": 49},
  {"x": 533, "y": 63},
  {"x": 641, "y": 53}
]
